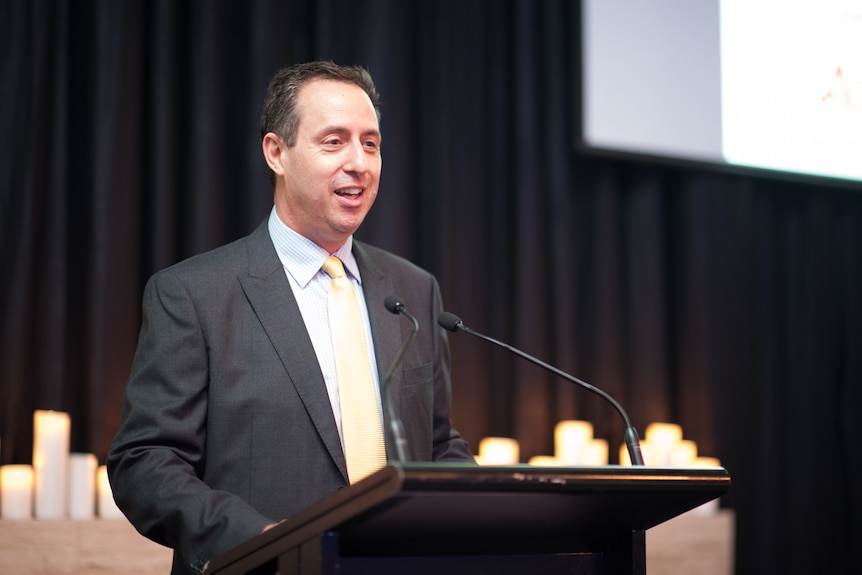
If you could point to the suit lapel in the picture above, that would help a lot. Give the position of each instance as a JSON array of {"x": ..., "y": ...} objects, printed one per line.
[{"x": 268, "y": 291}]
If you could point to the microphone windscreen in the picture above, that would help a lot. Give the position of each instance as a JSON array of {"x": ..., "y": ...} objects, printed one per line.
[
  {"x": 448, "y": 321},
  {"x": 392, "y": 303}
]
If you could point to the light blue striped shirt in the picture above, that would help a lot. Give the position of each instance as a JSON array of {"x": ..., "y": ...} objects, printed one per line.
[{"x": 302, "y": 260}]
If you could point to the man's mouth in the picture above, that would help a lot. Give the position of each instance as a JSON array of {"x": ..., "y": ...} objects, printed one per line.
[{"x": 349, "y": 192}]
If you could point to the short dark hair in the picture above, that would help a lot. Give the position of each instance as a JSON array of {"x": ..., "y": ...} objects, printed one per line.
[{"x": 280, "y": 114}]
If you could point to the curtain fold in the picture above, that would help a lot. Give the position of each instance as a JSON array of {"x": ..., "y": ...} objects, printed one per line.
[{"x": 727, "y": 303}]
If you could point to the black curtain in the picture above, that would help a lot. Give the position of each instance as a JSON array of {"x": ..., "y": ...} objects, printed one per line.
[{"x": 727, "y": 303}]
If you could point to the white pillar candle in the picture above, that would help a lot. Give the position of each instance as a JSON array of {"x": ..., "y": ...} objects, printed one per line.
[
  {"x": 107, "y": 507},
  {"x": 16, "y": 492},
  {"x": 544, "y": 461},
  {"x": 625, "y": 458},
  {"x": 82, "y": 485},
  {"x": 570, "y": 438},
  {"x": 498, "y": 451},
  {"x": 684, "y": 453},
  {"x": 662, "y": 438},
  {"x": 707, "y": 462},
  {"x": 595, "y": 453},
  {"x": 50, "y": 462}
]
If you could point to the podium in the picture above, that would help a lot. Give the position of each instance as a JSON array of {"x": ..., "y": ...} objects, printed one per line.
[{"x": 459, "y": 519}]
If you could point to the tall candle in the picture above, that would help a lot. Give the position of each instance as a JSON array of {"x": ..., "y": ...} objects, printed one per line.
[
  {"x": 82, "y": 485},
  {"x": 662, "y": 438},
  {"x": 570, "y": 439},
  {"x": 107, "y": 507},
  {"x": 16, "y": 492},
  {"x": 51, "y": 462}
]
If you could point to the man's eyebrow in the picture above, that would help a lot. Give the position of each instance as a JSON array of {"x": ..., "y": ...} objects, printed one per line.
[{"x": 343, "y": 130}]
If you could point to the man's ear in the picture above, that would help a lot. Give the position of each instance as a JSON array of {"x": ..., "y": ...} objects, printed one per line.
[{"x": 273, "y": 146}]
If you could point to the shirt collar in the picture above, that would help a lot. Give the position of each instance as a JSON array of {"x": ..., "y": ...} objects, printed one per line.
[{"x": 301, "y": 257}]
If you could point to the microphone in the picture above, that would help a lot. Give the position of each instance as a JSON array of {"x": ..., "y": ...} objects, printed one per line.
[
  {"x": 453, "y": 323},
  {"x": 396, "y": 426}
]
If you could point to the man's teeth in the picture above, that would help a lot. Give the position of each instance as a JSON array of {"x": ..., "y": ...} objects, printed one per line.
[{"x": 350, "y": 193}]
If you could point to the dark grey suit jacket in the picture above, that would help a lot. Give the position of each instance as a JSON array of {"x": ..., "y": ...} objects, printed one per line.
[{"x": 227, "y": 425}]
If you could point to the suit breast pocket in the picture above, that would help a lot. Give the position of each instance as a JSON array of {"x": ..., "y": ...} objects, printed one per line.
[{"x": 419, "y": 375}]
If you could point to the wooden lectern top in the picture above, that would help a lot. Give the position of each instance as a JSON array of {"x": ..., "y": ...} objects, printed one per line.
[{"x": 454, "y": 508}]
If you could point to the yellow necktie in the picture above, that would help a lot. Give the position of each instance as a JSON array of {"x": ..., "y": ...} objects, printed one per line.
[{"x": 361, "y": 428}]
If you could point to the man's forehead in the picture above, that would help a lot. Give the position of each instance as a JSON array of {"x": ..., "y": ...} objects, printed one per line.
[
  {"x": 313, "y": 88},
  {"x": 325, "y": 98}
]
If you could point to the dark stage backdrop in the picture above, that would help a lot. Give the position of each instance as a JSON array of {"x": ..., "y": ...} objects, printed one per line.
[{"x": 729, "y": 304}]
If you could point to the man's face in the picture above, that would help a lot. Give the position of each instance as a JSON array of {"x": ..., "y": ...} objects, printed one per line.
[{"x": 330, "y": 177}]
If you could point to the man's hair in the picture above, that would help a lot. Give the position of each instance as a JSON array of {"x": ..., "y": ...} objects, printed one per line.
[{"x": 280, "y": 114}]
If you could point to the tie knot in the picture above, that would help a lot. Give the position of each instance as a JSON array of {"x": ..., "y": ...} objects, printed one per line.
[{"x": 333, "y": 267}]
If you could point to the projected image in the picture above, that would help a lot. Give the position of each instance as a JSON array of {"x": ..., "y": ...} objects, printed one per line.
[
  {"x": 792, "y": 85},
  {"x": 846, "y": 93},
  {"x": 766, "y": 84}
]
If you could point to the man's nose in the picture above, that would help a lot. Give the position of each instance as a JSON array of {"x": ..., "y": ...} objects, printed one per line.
[{"x": 357, "y": 159}]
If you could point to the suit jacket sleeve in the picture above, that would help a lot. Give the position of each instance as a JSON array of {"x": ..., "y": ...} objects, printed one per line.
[{"x": 159, "y": 453}]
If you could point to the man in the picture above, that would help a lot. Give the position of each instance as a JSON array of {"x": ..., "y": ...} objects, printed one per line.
[{"x": 232, "y": 417}]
